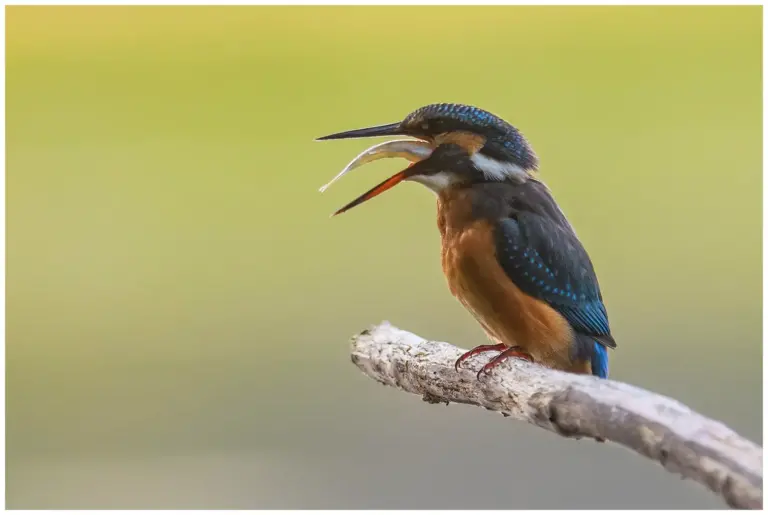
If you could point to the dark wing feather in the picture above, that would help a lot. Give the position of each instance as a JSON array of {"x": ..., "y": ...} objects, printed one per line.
[{"x": 545, "y": 259}]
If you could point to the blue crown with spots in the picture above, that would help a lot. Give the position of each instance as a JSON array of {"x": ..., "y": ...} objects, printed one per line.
[{"x": 503, "y": 141}]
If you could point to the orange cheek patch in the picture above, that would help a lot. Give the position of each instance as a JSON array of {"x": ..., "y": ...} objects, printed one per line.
[{"x": 467, "y": 140}]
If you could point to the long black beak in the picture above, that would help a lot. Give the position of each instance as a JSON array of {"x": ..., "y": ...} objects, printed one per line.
[{"x": 391, "y": 129}]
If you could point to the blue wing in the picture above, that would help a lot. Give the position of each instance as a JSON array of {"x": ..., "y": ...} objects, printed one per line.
[{"x": 545, "y": 259}]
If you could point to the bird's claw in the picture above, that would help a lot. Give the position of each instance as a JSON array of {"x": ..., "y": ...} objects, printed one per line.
[
  {"x": 512, "y": 352},
  {"x": 477, "y": 350}
]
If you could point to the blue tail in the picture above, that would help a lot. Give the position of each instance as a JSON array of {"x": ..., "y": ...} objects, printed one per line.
[{"x": 599, "y": 360}]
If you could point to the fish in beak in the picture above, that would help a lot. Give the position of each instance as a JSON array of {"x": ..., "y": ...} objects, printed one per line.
[{"x": 412, "y": 150}]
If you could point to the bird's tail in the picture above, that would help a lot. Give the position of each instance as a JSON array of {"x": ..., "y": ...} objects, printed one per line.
[{"x": 599, "y": 360}]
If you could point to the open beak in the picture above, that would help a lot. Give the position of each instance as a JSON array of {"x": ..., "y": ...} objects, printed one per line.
[
  {"x": 376, "y": 190},
  {"x": 412, "y": 150}
]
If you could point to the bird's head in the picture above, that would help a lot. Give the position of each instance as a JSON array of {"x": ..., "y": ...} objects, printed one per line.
[{"x": 455, "y": 144}]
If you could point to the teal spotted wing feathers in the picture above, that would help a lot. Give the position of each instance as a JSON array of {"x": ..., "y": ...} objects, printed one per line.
[{"x": 545, "y": 259}]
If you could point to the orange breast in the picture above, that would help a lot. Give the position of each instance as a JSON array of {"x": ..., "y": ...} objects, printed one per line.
[{"x": 481, "y": 285}]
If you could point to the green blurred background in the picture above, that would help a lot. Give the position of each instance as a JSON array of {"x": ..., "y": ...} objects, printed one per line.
[{"x": 179, "y": 304}]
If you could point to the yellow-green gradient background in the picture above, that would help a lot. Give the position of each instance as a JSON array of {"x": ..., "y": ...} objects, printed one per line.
[{"x": 180, "y": 304}]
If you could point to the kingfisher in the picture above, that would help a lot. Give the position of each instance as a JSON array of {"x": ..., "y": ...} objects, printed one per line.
[{"x": 509, "y": 254}]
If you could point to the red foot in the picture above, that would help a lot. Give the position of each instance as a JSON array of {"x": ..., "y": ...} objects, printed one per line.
[
  {"x": 512, "y": 352},
  {"x": 478, "y": 350}
]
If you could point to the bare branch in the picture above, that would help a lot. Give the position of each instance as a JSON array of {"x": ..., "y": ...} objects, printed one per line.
[{"x": 657, "y": 427}]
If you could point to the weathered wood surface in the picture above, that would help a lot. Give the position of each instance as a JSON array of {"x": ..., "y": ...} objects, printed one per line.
[{"x": 657, "y": 427}]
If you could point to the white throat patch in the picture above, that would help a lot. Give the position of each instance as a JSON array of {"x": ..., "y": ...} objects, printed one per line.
[
  {"x": 498, "y": 170},
  {"x": 437, "y": 182}
]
